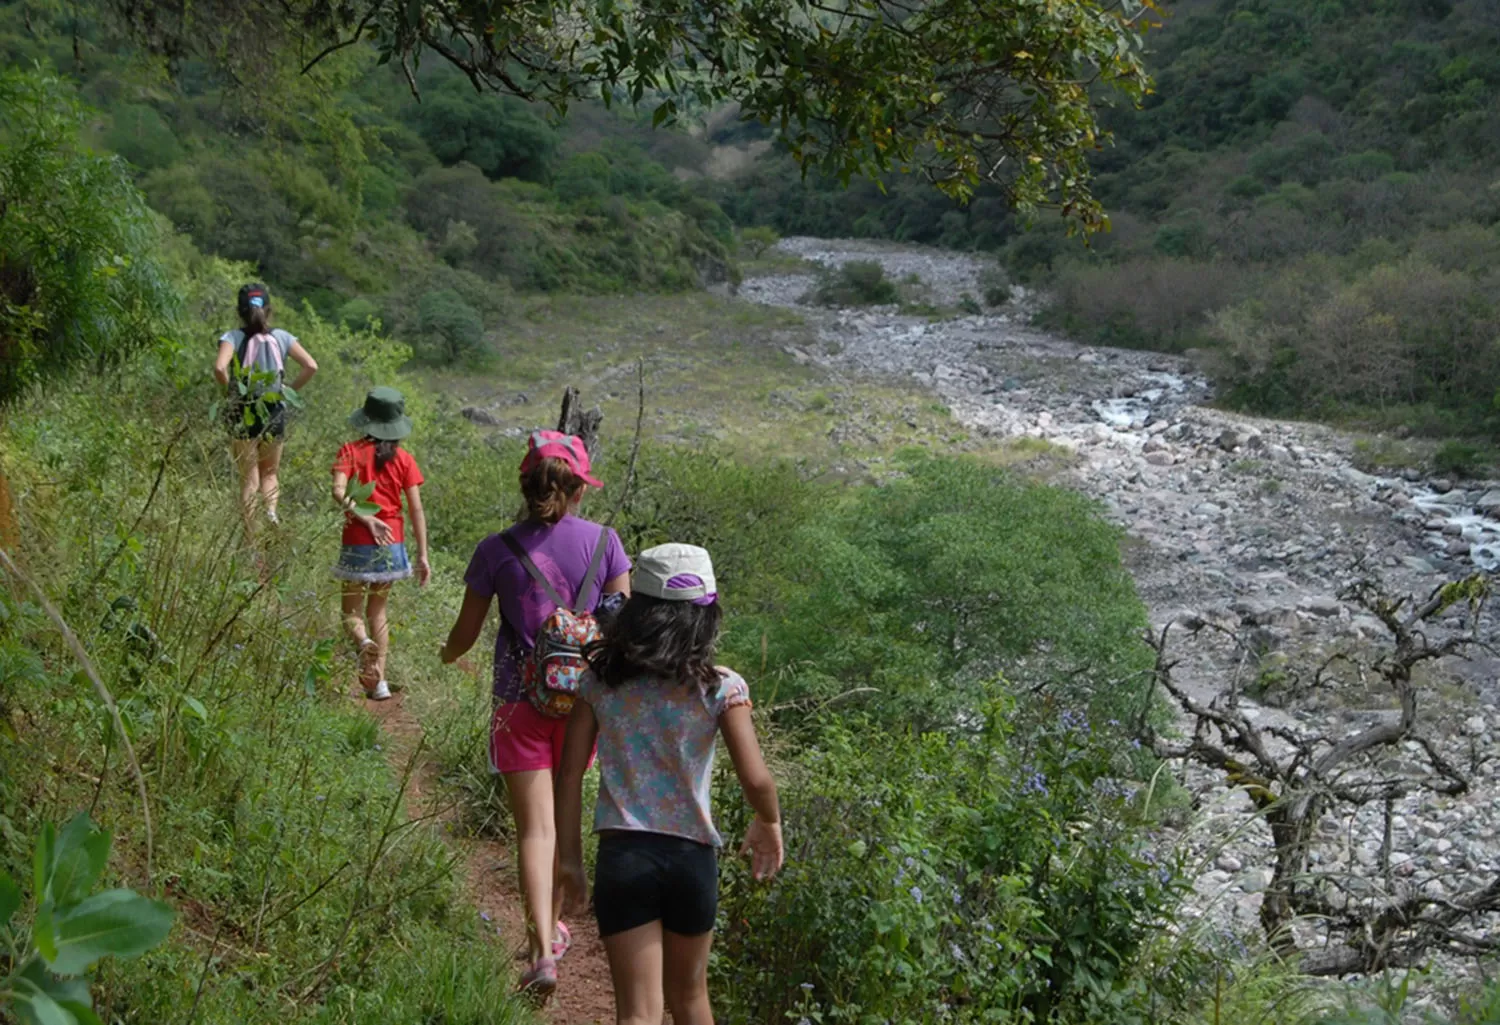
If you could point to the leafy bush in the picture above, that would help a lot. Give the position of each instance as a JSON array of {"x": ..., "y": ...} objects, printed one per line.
[
  {"x": 140, "y": 135},
  {"x": 1397, "y": 336},
  {"x": 1144, "y": 304},
  {"x": 451, "y": 330},
  {"x": 79, "y": 275},
  {"x": 994, "y": 874},
  {"x": 756, "y": 240},
  {"x": 72, "y": 929},
  {"x": 995, "y": 286},
  {"x": 909, "y": 593},
  {"x": 356, "y": 314},
  {"x": 855, "y": 283},
  {"x": 1459, "y": 458},
  {"x": 498, "y": 134}
]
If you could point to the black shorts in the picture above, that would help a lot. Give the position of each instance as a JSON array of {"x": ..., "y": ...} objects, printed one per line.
[
  {"x": 641, "y": 878},
  {"x": 266, "y": 419}
]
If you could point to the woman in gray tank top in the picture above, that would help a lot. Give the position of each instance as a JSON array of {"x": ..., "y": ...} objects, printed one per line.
[{"x": 251, "y": 367}]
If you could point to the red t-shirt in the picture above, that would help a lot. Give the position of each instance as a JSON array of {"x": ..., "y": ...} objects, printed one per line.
[{"x": 357, "y": 462}]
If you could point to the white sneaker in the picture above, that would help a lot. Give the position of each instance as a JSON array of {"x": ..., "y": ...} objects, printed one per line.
[{"x": 382, "y": 692}]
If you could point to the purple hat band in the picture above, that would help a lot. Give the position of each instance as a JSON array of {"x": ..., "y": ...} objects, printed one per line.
[{"x": 685, "y": 580}]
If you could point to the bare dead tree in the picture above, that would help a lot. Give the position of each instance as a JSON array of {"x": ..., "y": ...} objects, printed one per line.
[
  {"x": 574, "y": 419},
  {"x": 1295, "y": 777}
]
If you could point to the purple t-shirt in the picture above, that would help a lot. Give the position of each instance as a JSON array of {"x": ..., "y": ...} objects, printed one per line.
[{"x": 562, "y": 552}]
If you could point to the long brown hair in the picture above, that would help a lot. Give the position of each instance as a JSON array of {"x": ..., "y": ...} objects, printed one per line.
[
  {"x": 385, "y": 451},
  {"x": 548, "y": 489}
]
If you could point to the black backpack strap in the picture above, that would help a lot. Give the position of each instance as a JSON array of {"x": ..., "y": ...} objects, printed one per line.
[
  {"x": 536, "y": 574},
  {"x": 594, "y": 564}
]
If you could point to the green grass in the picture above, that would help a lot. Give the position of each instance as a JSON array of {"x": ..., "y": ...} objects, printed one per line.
[
  {"x": 281, "y": 830},
  {"x": 716, "y": 370}
]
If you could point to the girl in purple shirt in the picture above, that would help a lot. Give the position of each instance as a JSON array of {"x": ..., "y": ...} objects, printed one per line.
[{"x": 526, "y": 746}]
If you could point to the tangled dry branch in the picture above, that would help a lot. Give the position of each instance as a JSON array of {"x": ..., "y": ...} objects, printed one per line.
[{"x": 1296, "y": 777}]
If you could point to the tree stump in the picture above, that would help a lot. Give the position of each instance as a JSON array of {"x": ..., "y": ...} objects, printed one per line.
[{"x": 574, "y": 419}]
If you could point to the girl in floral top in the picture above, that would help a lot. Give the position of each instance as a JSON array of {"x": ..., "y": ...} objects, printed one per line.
[{"x": 656, "y": 703}]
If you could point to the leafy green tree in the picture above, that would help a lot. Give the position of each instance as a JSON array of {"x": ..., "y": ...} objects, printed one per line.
[
  {"x": 452, "y": 330},
  {"x": 79, "y": 282},
  {"x": 140, "y": 135},
  {"x": 497, "y": 134},
  {"x": 967, "y": 91}
]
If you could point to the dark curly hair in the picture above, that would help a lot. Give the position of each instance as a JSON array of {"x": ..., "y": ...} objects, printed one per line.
[{"x": 665, "y": 640}]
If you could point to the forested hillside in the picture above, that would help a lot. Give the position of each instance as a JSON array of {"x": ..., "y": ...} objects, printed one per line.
[
  {"x": 1310, "y": 193},
  {"x": 347, "y": 193}
]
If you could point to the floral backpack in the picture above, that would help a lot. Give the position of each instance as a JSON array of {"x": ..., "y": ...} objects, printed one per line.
[{"x": 551, "y": 671}]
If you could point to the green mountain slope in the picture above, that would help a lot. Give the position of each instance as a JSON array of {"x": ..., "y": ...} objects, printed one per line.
[
  {"x": 348, "y": 193},
  {"x": 1311, "y": 193}
]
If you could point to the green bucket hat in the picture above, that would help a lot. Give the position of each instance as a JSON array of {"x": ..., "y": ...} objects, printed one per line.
[{"x": 383, "y": 415}]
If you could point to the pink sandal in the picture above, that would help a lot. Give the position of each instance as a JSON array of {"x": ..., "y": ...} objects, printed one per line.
[
  {"x": 540, "y": 982},
  {"x": 562, "y": 941}
]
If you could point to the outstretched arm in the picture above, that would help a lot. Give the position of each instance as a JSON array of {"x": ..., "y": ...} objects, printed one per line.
[
  {"x": 567, "y": 803},
  {"x": 466, "y": 628},
  {"x": 763, "y": 839}
]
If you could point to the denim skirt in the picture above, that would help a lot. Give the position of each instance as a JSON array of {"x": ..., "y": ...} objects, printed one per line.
[{"x": 372, "y": 564}]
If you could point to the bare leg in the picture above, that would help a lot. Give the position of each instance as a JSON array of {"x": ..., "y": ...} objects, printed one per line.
[
  {"x": 352, "y": 609},
  {"x": 246, "y": 460},
  {"x": 269, "y": 465},
  {"x": 685, "y": 977},
  {"x": 380, "y": 628},
  {"x": 351, "y": 606},
  {"x": 536, "y": 837},
  {"x": 635, "y": 966}
]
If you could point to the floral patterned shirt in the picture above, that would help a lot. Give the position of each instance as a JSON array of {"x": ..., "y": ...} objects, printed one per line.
[{"x": 656, "y": 753}]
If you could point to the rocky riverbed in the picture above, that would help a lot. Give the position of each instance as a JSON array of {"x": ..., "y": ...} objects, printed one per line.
[{"x": 1254, "y": 525}]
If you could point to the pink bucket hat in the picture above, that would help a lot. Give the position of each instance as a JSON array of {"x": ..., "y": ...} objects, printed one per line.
[{"x": 556, "y": 445}]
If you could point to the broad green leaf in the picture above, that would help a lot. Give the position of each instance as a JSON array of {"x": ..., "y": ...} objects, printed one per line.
[
  {"x": 366, "y": 508},
  {"x": 196, "y": 707},
  {"x": 43, "y": 932},
  {"x": 10, "y": 898},
  {"x": 43, "y": 860},
  {"x": 34, "y": 1007},
  {"x": 118, "y": 922},
  {"x": 72, "y": 995},
  {"x": 82, "y": 852}
]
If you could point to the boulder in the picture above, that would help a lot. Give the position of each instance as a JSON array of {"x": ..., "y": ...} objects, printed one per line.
[
  {"x": 483, "y": 417},
  {"x": 1321, "y": 606}
]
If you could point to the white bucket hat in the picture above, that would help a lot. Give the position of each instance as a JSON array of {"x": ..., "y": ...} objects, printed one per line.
[{"x": 675, "y": 572}]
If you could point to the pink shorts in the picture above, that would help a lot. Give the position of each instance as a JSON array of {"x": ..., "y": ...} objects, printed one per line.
[{"x": 524, "y": 740}]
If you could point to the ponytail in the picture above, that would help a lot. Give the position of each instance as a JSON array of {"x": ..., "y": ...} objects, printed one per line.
[
  {"x": 549, "y": 488},
  {"x": 255, "y": 320},
  {"x": 385, "y": 451}
]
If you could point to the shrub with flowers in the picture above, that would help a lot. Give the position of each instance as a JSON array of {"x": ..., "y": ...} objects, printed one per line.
[{"x": 1002, "y": 874}]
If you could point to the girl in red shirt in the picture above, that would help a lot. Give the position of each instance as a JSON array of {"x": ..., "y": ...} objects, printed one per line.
[{"x": 374, "y": 547}]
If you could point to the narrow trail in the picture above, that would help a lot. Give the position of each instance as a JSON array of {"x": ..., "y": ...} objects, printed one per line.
[{"x": 584, "y": 995}]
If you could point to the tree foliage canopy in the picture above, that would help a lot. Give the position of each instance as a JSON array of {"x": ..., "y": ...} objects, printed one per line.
[
  {"x": 79, "y": 281},
  {"x": 967, "y": 91}
]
